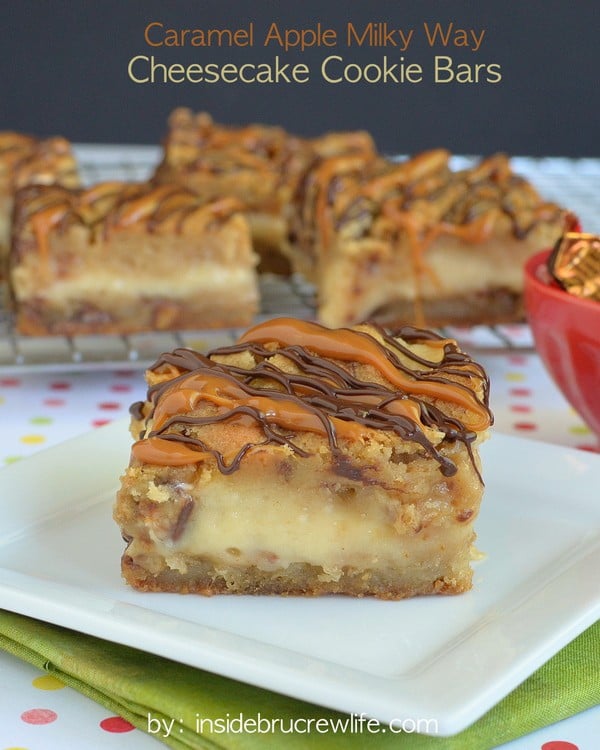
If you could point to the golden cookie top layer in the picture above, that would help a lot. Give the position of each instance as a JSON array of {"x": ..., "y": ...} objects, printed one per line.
[
  {"x": 193, "y": 135},
  {"x": 286, "y": 379},
  {"x": 196, "y": 143},
  {"x": 110, "y": 207},
  {"x": 422, "y": 199},
  {"x": 25, "y": 160}
]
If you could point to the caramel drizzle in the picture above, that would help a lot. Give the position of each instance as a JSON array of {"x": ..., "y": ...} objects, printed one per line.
[
  {"x": 491, "y": 180},
  {"x": 426, "y": 177},
  {"x": 43, "y": 222},
  {"x": 348, "y": 345},
  {"x": 193, "y": 138},
  {"x": 196, "y": 144},
  {"x": 420, "y": 239},
  {"x": 321, "y": 397},
  {"x": 116, "y": 205},
  {"x": 323, "y": 177},
  {"x": 29, "y": 160}
]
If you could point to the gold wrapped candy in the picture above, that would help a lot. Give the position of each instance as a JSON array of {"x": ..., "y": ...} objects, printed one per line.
[{"x": 575, "y": 264}]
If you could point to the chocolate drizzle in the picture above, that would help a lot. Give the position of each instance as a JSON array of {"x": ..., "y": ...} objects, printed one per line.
[
  {"x": 115, "y": 206},
  {"x": 304, "y": 391},
  {"x": 413, "y": 203}
]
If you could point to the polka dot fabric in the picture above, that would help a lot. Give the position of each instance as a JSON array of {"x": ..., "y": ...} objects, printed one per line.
[
  {"x": 526, "y": 403},
  {"x": 38, "y": 711},
  {"x": 41, "y": 410}
]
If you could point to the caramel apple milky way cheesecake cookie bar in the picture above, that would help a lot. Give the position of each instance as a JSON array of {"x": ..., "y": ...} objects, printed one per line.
[
  {"x": 259, "y": 165},
  {"x": 417, "y": 241},
  {"x": 305, "y": 460},
  {"x": 25, "y": 160},
  {"x": 123, "y": 257}
]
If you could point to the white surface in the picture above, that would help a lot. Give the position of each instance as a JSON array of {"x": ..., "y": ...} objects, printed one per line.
[{"x": 445, "y": 658}]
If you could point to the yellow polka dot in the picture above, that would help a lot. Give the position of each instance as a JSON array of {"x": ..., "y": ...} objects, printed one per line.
[
  {"x": 198, "y": 344},
  {"x": 1, "y": 399},
  {"x": 47, "y": 682},
  {"x": 515, "y": 377},
  {"x": 33, "y": 439},
  {"x": 580, "y": 429}
]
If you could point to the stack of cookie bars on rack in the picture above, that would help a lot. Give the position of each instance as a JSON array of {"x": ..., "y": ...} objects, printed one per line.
[{"x": 407, "y": 241}]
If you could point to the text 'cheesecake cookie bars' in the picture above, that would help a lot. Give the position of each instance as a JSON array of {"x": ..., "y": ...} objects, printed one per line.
[
  {"x": 306, "y": 460},
  {"x": 124, "y": 257}
]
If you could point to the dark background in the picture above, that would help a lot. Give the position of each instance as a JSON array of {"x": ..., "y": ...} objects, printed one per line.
[{"x": 64, "y": 71}]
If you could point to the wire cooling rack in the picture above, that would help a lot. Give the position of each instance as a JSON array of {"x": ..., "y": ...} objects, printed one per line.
[{"x": 574, "y": 183}]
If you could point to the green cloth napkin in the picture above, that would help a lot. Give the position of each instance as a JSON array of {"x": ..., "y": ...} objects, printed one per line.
[{"x": 137, "y": 685}]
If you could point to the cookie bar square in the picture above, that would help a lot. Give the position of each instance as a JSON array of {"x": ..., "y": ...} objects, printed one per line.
[
  {"x": 418, "y": 241},
  {"x": 125, "y": 257},
  {"x": 305, "y": 460},
  {"x": 25, "y": 160},
  {"x": 259, "y": 165}
]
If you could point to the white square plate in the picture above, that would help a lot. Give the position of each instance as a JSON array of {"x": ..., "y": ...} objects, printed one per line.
[{"x": 443, "y": 658}]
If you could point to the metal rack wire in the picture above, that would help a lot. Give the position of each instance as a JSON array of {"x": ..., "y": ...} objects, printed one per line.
[{"x": 571, "y": 182}]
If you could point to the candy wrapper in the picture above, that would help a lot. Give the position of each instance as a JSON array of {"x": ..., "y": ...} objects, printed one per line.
[{"x": 575, "y": 264}]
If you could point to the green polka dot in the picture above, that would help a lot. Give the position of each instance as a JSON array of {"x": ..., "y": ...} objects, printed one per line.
[
  {"x": 579, "y": 429},
  {"x": 12, "y": 459},
  {"x": 1, "y": 400},
  {"x": 41, "y": 420}
]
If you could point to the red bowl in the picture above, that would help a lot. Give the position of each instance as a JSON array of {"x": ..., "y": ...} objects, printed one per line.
[{"x": 566, "y": 330}]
